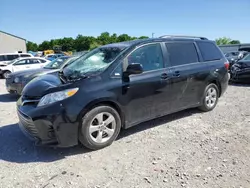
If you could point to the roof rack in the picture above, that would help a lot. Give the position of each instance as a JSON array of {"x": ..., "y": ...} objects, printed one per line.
[{"x": 183, "y": 36}]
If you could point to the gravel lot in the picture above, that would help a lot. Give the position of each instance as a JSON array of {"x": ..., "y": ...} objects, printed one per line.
[{"x": 186, "y": 149}]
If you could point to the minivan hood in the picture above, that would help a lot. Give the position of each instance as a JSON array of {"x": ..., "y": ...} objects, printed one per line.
[
  {"x": 33, "y": 72},
  {"x": 40, "y": 85}
]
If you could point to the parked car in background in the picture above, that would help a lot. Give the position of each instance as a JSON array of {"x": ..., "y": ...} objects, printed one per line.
[
  {"x": 16, "y": 81},
  {"x": 20, "y": 64},
  {"x": 7, "y": 57},
  {"x": 120, "y": 85},
  {"x": 235, "y": 56},
  {"x": 52, "y": 57},
  {"x": 240, "y": 71}
]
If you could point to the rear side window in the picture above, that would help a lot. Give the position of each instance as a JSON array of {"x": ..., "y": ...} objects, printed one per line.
[
  {"x": 209, "y": 51},
  {"x": 11, "y": 57},
  {"x": 182, "y": 53}
]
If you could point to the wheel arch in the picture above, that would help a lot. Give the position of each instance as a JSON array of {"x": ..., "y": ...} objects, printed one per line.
[
  {"x": 217, "y": 83},
  {"x": 6, "y": 70},
  {"x": 106, "y": 102}
]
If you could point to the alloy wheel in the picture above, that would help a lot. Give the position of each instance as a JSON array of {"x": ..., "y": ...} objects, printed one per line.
[
  {"x": 211, "y": 97},
  {"x": 102, "y": 127}
]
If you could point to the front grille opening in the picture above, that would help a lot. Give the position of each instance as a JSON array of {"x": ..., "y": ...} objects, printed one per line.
[
  {"x": 25, "y": 97},
  {"x": 51, "y": 132}
]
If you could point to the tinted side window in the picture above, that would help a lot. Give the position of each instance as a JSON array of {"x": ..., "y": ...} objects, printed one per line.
[
  {"x": 209, "y": 51},
  {"x": 182, "y": 53},
  {"x": 149, "y": 56},
  {"x": 11, "y": 57},
  {"x": 25, "y": 55},
  {"x": 2, "y": 58}
]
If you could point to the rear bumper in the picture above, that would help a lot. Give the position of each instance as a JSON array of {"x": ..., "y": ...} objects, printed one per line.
[{"x": 224, "y": 84}]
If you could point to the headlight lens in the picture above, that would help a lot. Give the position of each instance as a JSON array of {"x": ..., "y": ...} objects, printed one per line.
[
  {"x": 57, "y": 96},
  {"x": 17, "y": 79}
]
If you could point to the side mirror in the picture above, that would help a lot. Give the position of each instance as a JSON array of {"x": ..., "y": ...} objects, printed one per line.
[{"x": 135, "y": 68}]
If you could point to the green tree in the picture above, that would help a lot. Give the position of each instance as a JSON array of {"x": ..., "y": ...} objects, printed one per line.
[
  {"x": 222, "y": 41},
  {"x": 143, "y": 37},
  {"x": 94, "y": 45},
  {"x": 45, "y": 45},
  {"x": 234, "y": 42},
  {"x": 104, "y": 38},
  {"x": 225, "y": 40},
  {"x": 82, "y": 43},
  {"x": 31, "y": 46},
  {"x": 113, "y": 38},
  {"x": 123, "y": 37}
]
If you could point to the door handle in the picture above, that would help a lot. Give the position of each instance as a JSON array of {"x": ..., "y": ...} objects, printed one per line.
[
  {"x": 164, "y": 76},
  {"x": 176, "y": 74}
]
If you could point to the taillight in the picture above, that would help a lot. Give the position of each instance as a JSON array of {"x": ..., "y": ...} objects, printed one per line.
[{"x": 226, "y": 64}]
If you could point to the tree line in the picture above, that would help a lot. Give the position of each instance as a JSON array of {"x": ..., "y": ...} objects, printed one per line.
[
  {"x": 84, "y": 43},
  {"x": 80, "y": 43},
  {"x": 225, "y": 40}
]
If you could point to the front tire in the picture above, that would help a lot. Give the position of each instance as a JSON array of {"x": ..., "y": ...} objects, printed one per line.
[
  {"x": 99, "y": 127},
  {"x": 210, "y": 98},
  {"x": 6, "y": 74}
]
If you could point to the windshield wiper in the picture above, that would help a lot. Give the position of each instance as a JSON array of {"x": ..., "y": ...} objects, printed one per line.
[
  {"x": 62, "y": 77},
  {"x": 78, "y": 76}
]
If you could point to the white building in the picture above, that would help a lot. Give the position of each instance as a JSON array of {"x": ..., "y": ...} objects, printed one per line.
[{"x": 12, "y": 44}]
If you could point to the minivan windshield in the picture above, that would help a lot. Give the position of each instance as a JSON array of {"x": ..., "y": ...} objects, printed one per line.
[{"x": 96, "y": 60}]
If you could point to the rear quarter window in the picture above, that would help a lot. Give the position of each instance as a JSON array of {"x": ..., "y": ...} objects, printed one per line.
[{"x": 209, "y": 51}]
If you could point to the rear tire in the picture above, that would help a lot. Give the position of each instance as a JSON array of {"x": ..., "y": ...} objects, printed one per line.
[
  {"x": 6, "y": 74},
  {"x": 210, "y": 98},
  {"x": 99, "y": 127}
]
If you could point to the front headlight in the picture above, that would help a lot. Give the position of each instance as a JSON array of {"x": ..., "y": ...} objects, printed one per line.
[
  {"x": 57, "y": 96},
  {"x": 17, "y": 79}
]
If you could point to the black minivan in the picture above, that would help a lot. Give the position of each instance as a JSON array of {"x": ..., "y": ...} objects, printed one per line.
[{"x": 120, "y": 85}]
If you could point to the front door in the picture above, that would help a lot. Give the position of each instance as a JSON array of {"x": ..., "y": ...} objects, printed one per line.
[
  {"x": 20, "y": 65},
  {"x": 146, "y": 96}
]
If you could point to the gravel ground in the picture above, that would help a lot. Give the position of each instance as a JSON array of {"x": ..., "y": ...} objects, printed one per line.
[{"x": 186, "y": 149}]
